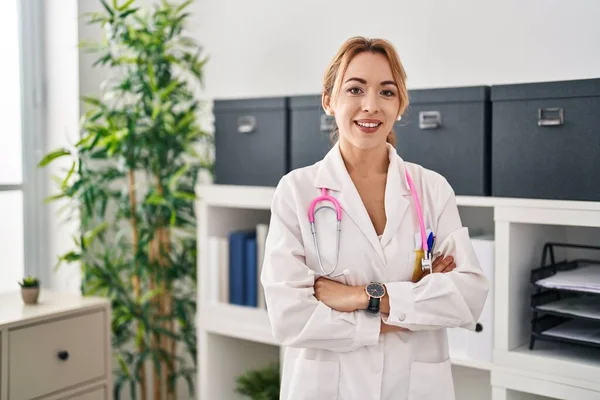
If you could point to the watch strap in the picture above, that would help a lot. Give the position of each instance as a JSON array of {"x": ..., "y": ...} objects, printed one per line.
[{"x": 373, "y": 305}]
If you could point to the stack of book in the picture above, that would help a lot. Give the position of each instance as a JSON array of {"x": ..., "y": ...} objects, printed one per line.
[{"x": 235, "y": 264}]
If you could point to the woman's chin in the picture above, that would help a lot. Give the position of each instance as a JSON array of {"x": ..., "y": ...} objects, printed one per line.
[{"x": 367, "y": 141}]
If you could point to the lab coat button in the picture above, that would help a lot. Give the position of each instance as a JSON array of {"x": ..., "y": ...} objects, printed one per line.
[{"x": 401, "y": 317}]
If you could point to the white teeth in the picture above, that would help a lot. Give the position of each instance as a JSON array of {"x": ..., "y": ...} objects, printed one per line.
[{"x": 368, "y": 124}]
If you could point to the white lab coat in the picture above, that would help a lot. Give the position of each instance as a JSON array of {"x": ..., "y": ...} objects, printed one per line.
[{"x": 335, "y": 355}]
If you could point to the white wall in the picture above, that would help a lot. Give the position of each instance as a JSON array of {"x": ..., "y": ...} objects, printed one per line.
[
  {"x": 274, "y": 47},
  {"x": 62, "y": 126}
]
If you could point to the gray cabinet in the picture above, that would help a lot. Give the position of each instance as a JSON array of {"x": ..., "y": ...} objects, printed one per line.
[
  {"x": 251, "y": 141},
  {"x": 447, "y": 130},
  {"x": 546, "y": 140},
  {"x": 310, "y": 131}
]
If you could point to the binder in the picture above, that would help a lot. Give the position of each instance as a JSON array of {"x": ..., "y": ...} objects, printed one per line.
[{"x": 478, "y": 344}]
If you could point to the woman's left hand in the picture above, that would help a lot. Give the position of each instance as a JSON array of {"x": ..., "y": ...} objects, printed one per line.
[{"x": 338, "y": 296}]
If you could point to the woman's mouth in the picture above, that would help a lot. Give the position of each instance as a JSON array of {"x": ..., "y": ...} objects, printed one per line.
[{"x": 368, "y": 126}]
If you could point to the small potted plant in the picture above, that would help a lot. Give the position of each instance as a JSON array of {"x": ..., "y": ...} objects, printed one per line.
[
  {"x": 260, "y": 384},
  {"x": 30, "y": 289}
]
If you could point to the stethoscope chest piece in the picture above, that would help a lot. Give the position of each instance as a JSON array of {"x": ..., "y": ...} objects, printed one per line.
[{"x": 426, "y": 264}]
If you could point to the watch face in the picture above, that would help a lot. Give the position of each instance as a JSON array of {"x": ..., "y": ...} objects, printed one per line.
[{"x": 375, "y": 290}]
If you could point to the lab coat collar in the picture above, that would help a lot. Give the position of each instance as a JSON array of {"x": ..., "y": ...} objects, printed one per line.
[{"x": 332, "y": 175}]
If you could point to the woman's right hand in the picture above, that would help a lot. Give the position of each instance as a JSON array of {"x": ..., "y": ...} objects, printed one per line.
[{"x": 442, "y": 264}]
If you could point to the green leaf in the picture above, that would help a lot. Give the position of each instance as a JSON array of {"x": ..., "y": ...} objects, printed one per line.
[
  {"x": 182, "y": 6},
  {"x": 124, "y": 6},
  {"x": 89, "y": 236},
  {"x": 174, "y": 180},
  {"x": 94, "y": 101},
  {"x": 54, "y": 197},
  {"x": 48, "y": 158},
  {"x": 184, "y": 195},
  {"x": 107, "y": 7},
  {"x": 146, "y": 297},
  {"x": 69, "y": 174},
  {"x": 151, "y": 77}
]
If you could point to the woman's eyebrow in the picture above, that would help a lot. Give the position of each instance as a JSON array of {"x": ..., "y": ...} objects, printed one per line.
[
  {"x": 356, "y": 79},
  {"x": 364, "y": 82}
]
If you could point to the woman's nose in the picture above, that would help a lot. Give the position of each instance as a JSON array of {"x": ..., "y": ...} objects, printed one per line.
[{"x": 370, "y": 103}]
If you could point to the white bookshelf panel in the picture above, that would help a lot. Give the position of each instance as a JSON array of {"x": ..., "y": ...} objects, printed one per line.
[
  {"x": 235, "y": 321},
  {"x": 519, "y": 386},
  {"x": 226, "y": 358},
  {"x": 471, "y": 384},
  {"x": 516, "y": 395},
  {"x": 255, "y": 197},
  {"x": 472, "y": 364},
  {"x": 567, "y": 365}
]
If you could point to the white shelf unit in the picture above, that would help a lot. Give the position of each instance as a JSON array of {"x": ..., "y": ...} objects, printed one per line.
[{"x": 233, "y": 338}]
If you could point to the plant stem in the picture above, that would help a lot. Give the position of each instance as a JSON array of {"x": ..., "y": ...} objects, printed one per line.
[
  {"x": 156, "y": 378},
  {"x": 136, "y": 279},
  {"x": 167, "y": 344},
  {"x": 158, "y": 254}
]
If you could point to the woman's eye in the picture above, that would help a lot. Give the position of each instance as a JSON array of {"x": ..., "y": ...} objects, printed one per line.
[
  {"x": 388, "y": 93},
  {"x": 354, "y": 90}
]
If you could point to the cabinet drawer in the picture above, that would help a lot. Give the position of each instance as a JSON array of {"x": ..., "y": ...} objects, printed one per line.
[
  {"x": 94, "y": 394},
  {"x": 56, "y": 354}
]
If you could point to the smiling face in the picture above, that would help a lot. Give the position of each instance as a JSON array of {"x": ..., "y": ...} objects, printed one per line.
[{"x": 367, "y": 103}]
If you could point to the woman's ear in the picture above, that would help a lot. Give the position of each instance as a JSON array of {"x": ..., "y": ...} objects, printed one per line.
[{"x": 326, "y": 103}]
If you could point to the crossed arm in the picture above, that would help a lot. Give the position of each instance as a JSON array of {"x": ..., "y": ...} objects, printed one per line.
[
  {"x": 320, "y": 314},
  {"x": 345, "y": 298}
]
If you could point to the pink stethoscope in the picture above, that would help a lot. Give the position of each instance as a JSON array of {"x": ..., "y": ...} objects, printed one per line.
[{"x": 425, "y": 261}]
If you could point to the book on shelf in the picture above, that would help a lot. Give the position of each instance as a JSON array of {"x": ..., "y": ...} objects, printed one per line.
[{"x": 235, "y": 265}]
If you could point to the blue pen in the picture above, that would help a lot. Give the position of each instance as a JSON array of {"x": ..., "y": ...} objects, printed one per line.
[{"x": 430, "y": 241}]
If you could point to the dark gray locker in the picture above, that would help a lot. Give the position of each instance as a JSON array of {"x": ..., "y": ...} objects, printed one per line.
[
  {"x": 310, "y": 131},
  {"x": 447, "y": 130},
  {"x": 251, "y": 141},
  {"x": 546, "y": 140}
]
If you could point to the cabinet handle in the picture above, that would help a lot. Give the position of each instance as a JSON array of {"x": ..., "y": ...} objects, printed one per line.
[
  {"x": 478, "y": 327},
  {"x": 430, "y": 119},
  {"x": 246, "y": 124},
  {"x": 551, "y": 116},
  {"x": 63, "y": 355}
]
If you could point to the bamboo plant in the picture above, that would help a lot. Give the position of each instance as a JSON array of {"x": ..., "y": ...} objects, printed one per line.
[{"x": 131, "y": 184}]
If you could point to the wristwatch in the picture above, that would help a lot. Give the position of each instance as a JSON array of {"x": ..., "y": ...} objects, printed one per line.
[{"x": 375, "y": 291}]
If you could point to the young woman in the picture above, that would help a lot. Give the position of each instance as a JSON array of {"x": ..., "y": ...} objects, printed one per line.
[{"x": 368, "y": 321}]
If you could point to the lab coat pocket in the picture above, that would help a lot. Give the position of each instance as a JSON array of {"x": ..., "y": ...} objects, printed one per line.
[
  {"x": 422, "y": 374},
  {"x": 311, "y": 380}
]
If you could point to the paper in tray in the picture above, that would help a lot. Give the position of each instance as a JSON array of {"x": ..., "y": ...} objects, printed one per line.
[
  {"x": 581, "y": 306},
  {"x": 577, "y": 329},
  {"x": 585, "y": 279}
]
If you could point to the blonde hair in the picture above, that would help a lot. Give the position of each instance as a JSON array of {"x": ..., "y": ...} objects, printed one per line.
[{"x": 349, "y": 49}]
